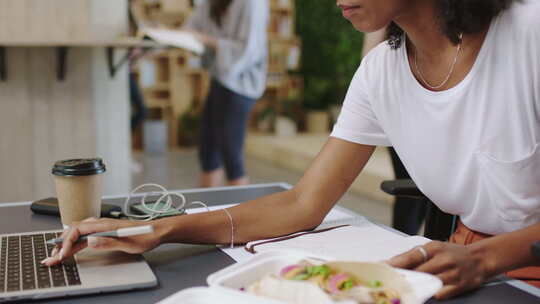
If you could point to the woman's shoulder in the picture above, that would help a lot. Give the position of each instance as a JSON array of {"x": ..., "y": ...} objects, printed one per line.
[
  {"x": 381, "y": 51},
  {"x": 380, "y": 57},
  {"x": 526, "y": 9},
  {"x": 523, "y": 16},
  {"x": 372, "y": 70}
]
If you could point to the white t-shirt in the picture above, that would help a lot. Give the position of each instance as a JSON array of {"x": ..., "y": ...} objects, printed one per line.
[
  {"x": 240, "y": 61},
  {"x": 474, "y": 149}
]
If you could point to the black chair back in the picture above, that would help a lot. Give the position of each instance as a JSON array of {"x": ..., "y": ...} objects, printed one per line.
[{"x": 439, "y": 225}]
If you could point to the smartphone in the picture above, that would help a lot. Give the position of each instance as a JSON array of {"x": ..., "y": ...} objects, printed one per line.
[
  {"x": 139, "y": 209},
  {"x": 49, "y": 206}
]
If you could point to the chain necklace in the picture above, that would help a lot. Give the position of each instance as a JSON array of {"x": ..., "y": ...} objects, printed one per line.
[{"x": 449, "y": 73}]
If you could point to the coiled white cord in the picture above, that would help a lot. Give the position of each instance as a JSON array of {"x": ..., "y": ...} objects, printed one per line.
[
  {"x": 158, "y": 209},
  {"x": 162, "y": 206}
]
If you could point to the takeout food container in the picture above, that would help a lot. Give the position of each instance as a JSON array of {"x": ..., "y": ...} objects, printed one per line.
[{"x": 232, "y": 280}]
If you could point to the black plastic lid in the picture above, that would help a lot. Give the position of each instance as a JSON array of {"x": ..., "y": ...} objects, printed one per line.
[{"x": 79, "y": 167}]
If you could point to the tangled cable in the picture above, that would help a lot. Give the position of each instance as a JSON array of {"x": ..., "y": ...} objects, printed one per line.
[{"x": 161, "y": 206}]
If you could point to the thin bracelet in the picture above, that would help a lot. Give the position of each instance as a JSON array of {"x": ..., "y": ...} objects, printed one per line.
[{"x": 232, "y": 226}]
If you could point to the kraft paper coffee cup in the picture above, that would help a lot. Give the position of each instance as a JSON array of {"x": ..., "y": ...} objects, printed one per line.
[{"x": 78, "y": 188}]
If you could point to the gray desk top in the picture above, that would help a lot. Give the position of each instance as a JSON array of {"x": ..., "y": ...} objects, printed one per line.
[{"x": 179, "y": 266}]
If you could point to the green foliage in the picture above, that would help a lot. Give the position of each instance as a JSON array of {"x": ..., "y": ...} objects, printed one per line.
[
  {"x": 331, "y": 52},
  {"x": 189, "y": 124},
  {"x": 292, "y": 109}
]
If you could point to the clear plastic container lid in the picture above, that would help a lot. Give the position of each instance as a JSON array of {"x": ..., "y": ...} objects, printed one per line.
[
  {"x": 205, "y": 295},
  {"x": 227, "y": 285},
  {"x": 238, "y": 276}
]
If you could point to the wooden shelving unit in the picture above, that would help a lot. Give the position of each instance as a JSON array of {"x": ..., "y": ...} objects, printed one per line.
[
  {"x": 181, "y": 84},
  {"x": 283, "y": 58}
]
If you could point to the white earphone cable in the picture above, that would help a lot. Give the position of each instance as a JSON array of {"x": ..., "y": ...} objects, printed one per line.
[{"x": 161, "y": 206}]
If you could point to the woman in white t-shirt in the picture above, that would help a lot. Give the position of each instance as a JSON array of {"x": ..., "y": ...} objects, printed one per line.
[{"x": 456, "y": 91}]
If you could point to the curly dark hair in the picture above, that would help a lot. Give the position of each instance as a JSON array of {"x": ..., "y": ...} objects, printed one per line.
[
  {"x": 218, "y": 9},
  {"x": 456, "y": 17}
]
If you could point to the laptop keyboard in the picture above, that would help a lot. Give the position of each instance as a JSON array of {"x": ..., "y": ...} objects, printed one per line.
[{"x": 20, "y": 268}]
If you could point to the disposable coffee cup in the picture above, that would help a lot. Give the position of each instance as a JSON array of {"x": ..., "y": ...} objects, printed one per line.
[{"x": 78, "y": 188}]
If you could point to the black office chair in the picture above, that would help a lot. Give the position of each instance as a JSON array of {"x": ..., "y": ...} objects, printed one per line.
[{"x": 439, "y": 225}]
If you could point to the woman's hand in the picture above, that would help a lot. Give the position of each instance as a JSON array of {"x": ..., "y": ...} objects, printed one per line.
[
  {"x": 134, "y": 244},
  {"x": 460, "y": 267}
]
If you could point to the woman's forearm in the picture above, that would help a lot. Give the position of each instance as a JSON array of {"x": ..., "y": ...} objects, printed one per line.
[
  {"x": 274, "y": 215},
  {"x": 301, "y": 208},
  {"x": 508, "y": 251}
]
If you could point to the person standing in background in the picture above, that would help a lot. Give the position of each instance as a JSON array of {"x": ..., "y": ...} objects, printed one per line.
[
  {"x": 408, "y": 213},
  {"x": 235, "y": 37},
  {"x": 136, "y": 97}
]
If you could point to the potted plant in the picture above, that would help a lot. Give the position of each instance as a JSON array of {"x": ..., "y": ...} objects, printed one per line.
[
  {"x": 265, "y": 118},
  {"x": 331, "y": 54},
  {"x": 316, "y": 101},
  {"x": 289, "y": 115},
  {"x": 189, "y": 124}
]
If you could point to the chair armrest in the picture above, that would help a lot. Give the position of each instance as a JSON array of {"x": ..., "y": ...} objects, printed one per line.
[
  {"x": 401, "y": 187},
  {"x": 535, "y": 249}
]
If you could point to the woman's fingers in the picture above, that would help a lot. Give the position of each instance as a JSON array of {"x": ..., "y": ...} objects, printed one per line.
[
  {"x": 59, "y": 252},
  {"x": 90, "y": 219},
  {"x": 70, "y": 246},
  {"x": 450, "y": 291},
  {"x": 449, "y": 277},
  {"x": 437, "y": 264},
  {"x": 417, "y": 256},
  {"x": 55, "y": 250},
  {"x": 55, "y": 258},
  {"x": 446, "y": 292},
  {"x": 458, "y": 280},
  {"x": 408, "y": 260},
  {"x": 457, "y": 267},
  {"x": 106, "y": 243},
  {"x": 69, "y": 240}
]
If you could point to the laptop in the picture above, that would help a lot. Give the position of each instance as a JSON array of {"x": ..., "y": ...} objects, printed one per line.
[{"x": 22, "y": 277}]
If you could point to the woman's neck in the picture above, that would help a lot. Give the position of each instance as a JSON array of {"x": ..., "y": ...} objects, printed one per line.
[
  {"x": 424, "y": 32},
  {"x": 432, "y": 52}
]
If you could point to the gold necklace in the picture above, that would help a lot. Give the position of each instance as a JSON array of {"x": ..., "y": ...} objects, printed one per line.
[{"x": 449, "y": 73}]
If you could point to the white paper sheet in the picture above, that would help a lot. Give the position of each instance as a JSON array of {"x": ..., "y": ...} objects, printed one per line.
[
  {"x": 337, "y": 215},
  {"x": 238, "y": 253},
  {"x": 176, "y": 38},
  {"x": 368, "y": 243}
]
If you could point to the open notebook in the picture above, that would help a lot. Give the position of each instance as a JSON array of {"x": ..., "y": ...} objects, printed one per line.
[
  {"x": 368, "y": 242},
  {"x": 356, "y": 239},
  {"x": 175, "y": 38}
]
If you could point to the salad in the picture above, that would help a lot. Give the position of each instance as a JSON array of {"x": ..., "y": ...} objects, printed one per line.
[{"x": 335, "y": 282}]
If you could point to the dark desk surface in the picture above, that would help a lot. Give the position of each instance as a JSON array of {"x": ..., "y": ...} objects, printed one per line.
[{"x": 182, "y": 266}]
